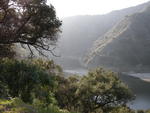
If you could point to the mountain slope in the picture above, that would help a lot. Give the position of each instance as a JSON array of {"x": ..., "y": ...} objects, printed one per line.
[
  {"x": 126, "y": 46},
  {"x": 79, "y": 32}
]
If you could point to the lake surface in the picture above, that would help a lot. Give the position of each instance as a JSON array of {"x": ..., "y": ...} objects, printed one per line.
[
  {"x": 139, "y": 83},
  {"x": 141, "y": 102},
  {"x": 143, "y": 76}
]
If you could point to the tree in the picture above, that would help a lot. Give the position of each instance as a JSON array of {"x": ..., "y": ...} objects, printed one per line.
[
  {"x": 65, "y": 93},
  {"x": 25, "y": 80},
  {"x": 102, "y": 89},
  {"x": 7, "y": 51},
  {"x": 32, "y": 23}
]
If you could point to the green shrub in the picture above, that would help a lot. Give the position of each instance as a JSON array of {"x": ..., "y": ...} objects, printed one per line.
[
  {"x": 99, "y": 90},
  {"x": 141, "y": 111},
  {"x": 40, "y": 83},
  {"x": 148, "y": 111},
  {"x": 65, "y": 93},
  {"x": 18, "y": 106},
  {"x": 25, "y": 79},
  {"x": 122, "y": 110},
  {"x": 15, "y": 106}
]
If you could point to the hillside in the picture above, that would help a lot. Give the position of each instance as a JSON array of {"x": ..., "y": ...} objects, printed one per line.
[
  {"x": 126, "y": 46},
  {"x": 79, "y": 33}
]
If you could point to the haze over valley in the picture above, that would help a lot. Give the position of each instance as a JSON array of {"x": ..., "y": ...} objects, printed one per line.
[{"x": 82, "y": 34}]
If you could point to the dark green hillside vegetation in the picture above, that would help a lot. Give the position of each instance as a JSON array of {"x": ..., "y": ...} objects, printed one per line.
[
  {"x": 28, "y": 86},
  {"x": 7, "y": 51},
  {"x": 41, "y": 85},
  {"x": 24, "y": 79},
  {"x": 18, "y": 106},
  {"x": 38, "y": 86}
]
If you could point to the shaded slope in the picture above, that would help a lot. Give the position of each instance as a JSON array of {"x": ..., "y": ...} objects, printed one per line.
[
  {"x": 79, "y": 32},
  {"x": 126, "y": 46}
]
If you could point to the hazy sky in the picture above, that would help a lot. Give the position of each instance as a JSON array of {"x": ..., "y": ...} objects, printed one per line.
[{"x": 65, "y": 8}]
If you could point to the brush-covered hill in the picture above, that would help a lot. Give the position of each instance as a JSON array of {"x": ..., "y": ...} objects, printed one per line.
[
  {"x": 80, "y": 32},
  {"x": 126, "y": 46}
]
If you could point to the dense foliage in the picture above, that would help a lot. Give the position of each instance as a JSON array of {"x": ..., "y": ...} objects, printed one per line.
[
  {"x": 25, "y": 80},
  {"x": 7, "y": 51},
  {"x": 99, "y": 90},
  {"x": 39, "y": 86},
  {"x": 29, "y": 22},
  {"x": 18, "y": 106}
]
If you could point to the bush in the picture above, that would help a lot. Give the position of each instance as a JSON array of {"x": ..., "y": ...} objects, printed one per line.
[
  {"x": 65, "y": 93},
  {"x": 18, "y": 106},
  {"x": 40, "y": 83},
  {"x": 24, "y": 79},
  {"x": 100, "y": 90},
  {"x": 122, "y": 110},
  {"x": 15, "y": 106},
  {"x": 148, "y": 111}
]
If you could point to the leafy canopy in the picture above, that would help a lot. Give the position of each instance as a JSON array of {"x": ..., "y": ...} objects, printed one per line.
[
  {"x": 32, "y": 23},
  {"x": 25, "y": 80},
  {"x": 99, "y": 90}
]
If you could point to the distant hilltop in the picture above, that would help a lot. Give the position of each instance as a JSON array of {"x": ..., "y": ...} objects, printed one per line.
[
  {"x": 79, "y": 34},
  {"x": 126, "y": 46}
]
